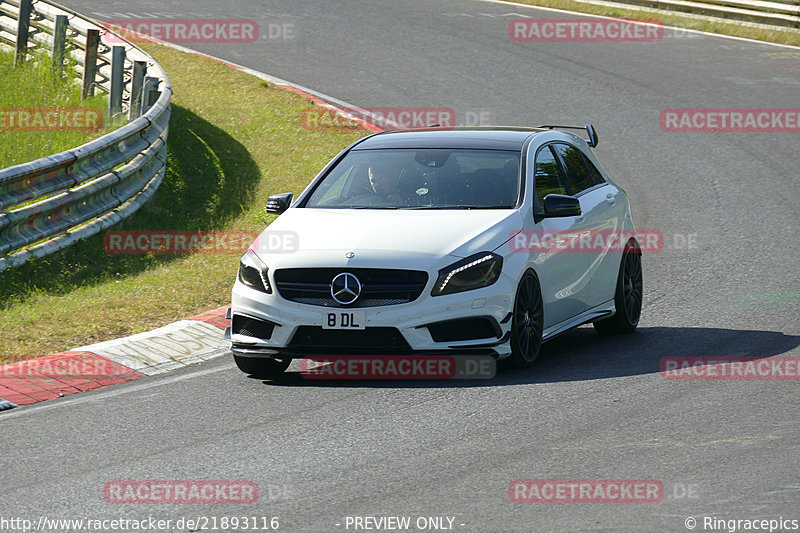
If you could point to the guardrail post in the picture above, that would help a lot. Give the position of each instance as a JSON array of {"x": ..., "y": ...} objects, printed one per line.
[
  {"x": 137, "y": 89},
  {"x": 59, "y": 44},
  {"x": 151, "y": 92},
  {"x": 797, "y": 22},
  {"x": 117, "y": 80},
  {"x": 90, "y": 62},
  {"x": 23, "y": 25}
]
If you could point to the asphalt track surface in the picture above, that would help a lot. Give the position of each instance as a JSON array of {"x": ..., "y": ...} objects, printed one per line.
[{"x": 593, "y": 408}]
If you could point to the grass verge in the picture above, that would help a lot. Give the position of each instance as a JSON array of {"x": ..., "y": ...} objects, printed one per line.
[
  {"x": 233, "y": 141},
  {"x": 723, "y": 27},
  {"x": 34, "y": 87}
]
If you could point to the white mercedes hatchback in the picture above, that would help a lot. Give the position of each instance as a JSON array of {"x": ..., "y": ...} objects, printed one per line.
[{"x": 474, "y": 241}]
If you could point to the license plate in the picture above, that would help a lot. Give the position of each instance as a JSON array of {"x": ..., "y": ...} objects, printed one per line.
[{"x": 344, "y": 319}]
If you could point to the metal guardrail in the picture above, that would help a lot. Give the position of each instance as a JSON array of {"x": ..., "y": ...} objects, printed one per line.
[
  {"x": 51, "y": 203},
  {"x": 780, "y": 14}
]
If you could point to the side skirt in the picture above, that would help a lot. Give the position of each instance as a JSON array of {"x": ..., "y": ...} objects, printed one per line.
[{"x": 604, "y": 310}]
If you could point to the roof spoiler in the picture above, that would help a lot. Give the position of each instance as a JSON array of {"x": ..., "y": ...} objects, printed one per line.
[{"x": 589, "y": 130}]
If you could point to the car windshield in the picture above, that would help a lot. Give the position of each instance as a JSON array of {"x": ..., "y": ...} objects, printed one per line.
[{"x": 421, "y": 179}]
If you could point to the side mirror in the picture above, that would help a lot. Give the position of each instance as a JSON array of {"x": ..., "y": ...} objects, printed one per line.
[
  {"x": 561, "y": 205},
  {"x": 278, "y": 203}
]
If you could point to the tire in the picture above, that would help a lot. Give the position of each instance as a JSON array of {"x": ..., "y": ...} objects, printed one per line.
[
  {"x": 527, "y": 323},
  {"x": 628, "y": 296},
  {"x": 262, "y": 367}
]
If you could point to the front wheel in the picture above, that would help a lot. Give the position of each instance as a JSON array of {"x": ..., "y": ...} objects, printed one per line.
[
  {"x": 628, "y": 296},
  {"x": 262, "y": 367},
  {"x": 527, "y": 323}
]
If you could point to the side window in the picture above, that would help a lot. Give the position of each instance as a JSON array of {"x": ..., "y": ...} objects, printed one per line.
[
  {"x": 548, "y": 178},
  {"x": 578, "y": 177},
  {"x": 597, "y": 177}
]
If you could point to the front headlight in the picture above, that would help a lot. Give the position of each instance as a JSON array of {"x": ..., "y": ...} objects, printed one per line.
[
  {"x": 253, "y": 272},
  {"x": 474, "y": 272}
]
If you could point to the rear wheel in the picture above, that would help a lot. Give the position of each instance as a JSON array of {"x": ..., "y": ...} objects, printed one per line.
[
  {"x": 527, "y": 323},
  {"x": 262, "y": 367},
  {"x": 628, "y": 296}
]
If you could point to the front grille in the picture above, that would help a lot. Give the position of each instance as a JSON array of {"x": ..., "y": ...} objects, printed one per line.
[
  {"x": 377, "y": 340},
  {"x": 252, "y": 327},
  {"x": 465, "y": 329},
  {"x": 379, "y": 286}
]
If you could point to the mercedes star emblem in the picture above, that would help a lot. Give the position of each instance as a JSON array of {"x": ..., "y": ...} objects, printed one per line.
[{"x": 345, "y": 288}]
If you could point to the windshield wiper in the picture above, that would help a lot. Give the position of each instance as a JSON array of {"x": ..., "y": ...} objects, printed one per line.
[
  {"x": 444, "y": 207},
  {"x": 371, "y": 207},
  {"x": 426, "y": 207}
]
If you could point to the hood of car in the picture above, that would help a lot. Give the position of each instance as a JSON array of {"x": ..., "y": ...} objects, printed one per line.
[{"x": 304, "y": 237}]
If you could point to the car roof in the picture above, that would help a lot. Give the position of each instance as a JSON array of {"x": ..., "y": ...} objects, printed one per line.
[{"x": 487, "y": 138}]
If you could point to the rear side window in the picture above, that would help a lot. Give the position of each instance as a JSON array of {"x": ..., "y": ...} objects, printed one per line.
[
  {"x": 597, "y": 177},
  {"x": 548, "y": 178},
  {"x": 578, "y": 177}
]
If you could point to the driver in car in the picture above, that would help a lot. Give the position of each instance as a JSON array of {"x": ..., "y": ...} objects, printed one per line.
[{"x": 383, "y": 178}]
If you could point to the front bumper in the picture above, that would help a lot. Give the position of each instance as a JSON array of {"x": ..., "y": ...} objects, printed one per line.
[{"x": 293, "y": 324}]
